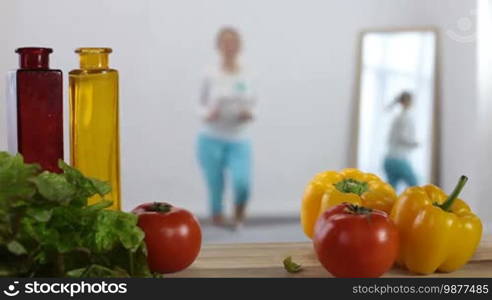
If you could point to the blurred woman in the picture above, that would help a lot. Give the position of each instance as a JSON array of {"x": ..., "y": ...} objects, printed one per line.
[
  {"x": 401, "y": 143},
  {"x": 226, "y": 103}
]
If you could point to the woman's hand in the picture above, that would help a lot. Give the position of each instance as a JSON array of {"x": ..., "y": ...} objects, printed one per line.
[
  {"x": 245, "y": 115},
  {"x": 213, "y": 115}
]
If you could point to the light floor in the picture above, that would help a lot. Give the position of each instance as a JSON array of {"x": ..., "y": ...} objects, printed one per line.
[{"x": 255, "y": 230}]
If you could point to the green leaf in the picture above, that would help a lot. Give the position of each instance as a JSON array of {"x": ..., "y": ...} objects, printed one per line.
[
  {"x": 40, "y": 214},
  {"x": 16, "y": 248},
  {"x": 140, "y": 262},
  {"x": 100, "y": 205},
  {"x": 54, "y": 187},
  {"x": 113, "y": 228},
  {"x": 86, "y": 187},
  {"x": 130, "y": 235},
  {"x": 14, "y": 183},
  {"x": 291, "y": 266},
  {"x": 101, "y": 187}
]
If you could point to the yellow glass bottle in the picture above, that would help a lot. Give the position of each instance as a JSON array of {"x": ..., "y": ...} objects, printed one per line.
[{"x": 94, "y": 120}]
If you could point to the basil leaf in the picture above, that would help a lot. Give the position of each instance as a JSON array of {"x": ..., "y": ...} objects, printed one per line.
[
  {"x": 16, "y": 248},
  {"x": 291, "y": 266},
  {"x": 54, "y": 187}
]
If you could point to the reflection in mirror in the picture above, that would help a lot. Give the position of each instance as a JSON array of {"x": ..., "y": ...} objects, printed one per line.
[{"x": 397, "y": 106}]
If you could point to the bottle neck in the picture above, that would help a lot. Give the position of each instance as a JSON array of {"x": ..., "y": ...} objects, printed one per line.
[
  {"x": 94, "y": 61},
  {"x": 34, "y": 58},
  {"x": 94, "y": 58}
]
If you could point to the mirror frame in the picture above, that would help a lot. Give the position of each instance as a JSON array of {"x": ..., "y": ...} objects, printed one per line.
[{"x": 436, "y": 122}]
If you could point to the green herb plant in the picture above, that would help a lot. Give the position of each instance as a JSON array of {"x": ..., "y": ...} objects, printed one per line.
[{"x": 47, "y": 228}]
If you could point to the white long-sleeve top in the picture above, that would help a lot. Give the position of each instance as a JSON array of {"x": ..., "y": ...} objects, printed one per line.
[
  {"x": 402, "y": 138},
  {"x": 230, "y": 94}
]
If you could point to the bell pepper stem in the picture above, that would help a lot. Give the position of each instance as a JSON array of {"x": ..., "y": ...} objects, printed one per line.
[
  {"x": 446, "y": 205},
  {"x": 352, "y": 186}
]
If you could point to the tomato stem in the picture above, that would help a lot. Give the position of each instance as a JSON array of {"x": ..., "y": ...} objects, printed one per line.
[
  {"x": 160, "y": 207},
  {"x": 446, "y": 205},
  {"x": 358, "y": 210}
]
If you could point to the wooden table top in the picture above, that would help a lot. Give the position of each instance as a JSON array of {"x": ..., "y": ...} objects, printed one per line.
[{"x": 265, "y": 260}]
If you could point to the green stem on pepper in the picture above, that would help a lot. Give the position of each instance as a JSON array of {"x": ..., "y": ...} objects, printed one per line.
[
  {"x": 446, "y": 205},
  {"x": 352, "y": 186}
]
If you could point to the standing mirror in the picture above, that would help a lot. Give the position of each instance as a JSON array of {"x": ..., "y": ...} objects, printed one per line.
[{"x": 397, "y": 129}]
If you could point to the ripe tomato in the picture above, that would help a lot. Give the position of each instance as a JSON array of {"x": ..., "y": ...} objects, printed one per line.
[
  {"x": 173, "y": 236},
  {"x": 354, "y": 241}
]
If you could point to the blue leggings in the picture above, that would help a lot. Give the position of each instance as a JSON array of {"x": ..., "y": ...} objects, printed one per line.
[
  {"x": 398, "y": 169},
  {"x": 215, "y": 156}
]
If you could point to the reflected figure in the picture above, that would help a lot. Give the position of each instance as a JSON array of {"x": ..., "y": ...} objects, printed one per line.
[
  {"x": 392, "y": 62},
  {"x": 400, "y": 144},
  {"x": 226, "y": 105}
]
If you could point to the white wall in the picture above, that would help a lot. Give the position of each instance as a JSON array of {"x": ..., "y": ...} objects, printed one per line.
[
  {"x": 303, "y": 51},
  {"x": 6, "y": 19},
  {"x": 484, "y": 109}
]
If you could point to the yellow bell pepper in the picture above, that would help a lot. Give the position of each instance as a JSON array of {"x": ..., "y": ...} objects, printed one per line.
[
  {"x": 330, "y": 188},
  {"x": 437, "y": 232}
]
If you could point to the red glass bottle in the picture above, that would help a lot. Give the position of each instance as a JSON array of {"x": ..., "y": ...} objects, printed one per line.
[{"x": 35, "y": 109}]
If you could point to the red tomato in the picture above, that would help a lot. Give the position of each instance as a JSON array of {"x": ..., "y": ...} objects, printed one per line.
[
  {"x": 354, "y": 241},
  {"x": 172, "y": 235}
]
